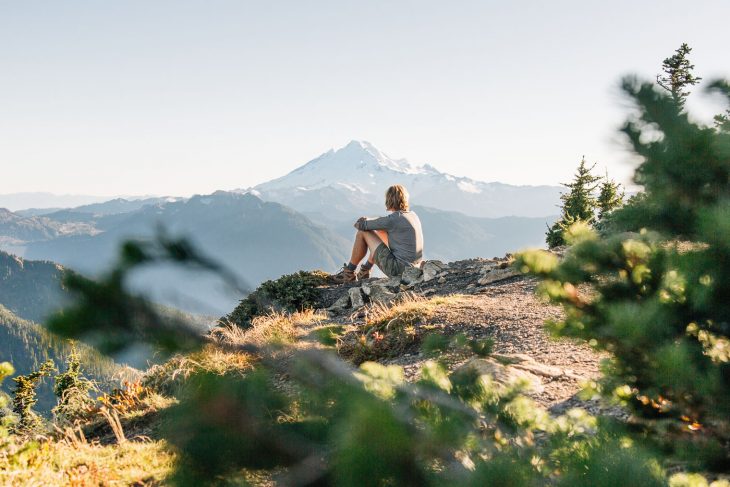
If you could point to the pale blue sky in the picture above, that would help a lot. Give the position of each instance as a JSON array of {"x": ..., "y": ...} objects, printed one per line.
[{"x": 181, "y": 97}]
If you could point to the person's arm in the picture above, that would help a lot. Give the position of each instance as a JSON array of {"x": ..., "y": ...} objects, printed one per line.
[{"x": 382, "y": 223}]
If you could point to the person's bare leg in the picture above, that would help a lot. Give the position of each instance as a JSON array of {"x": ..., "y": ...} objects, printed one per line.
[
  {"x": 372, "y": 240},
  {"x": 359, "y": 248},
  {"x": 383, "y": 236}
]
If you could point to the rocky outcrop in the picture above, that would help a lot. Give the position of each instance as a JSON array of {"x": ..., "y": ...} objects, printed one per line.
[{"x": 432, "y": 278}]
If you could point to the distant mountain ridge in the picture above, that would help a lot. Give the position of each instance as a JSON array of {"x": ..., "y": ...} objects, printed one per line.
[
  {"x": 22, "y": 201},
  {"x": 302, "y": 220},
  {"x": 17, "y": 230},
  {"x": 355, "y": 177},
  {"x": 23, "y": 228},
  {"x": 257, "y": 240}
]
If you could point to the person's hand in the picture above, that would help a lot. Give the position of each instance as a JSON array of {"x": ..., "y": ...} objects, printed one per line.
[{"x": 359, "y": 220}]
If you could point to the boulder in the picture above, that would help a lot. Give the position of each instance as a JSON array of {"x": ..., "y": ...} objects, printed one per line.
[
  {"x": 431, "y": 269},
  {"x": 356, "y": 298},
  {"x": 526, "y": 363},
  {"x": 512, "y": 358},
  {"x": 496, "y": 274},
  {"x": 342, "y": 304},
  {"x": 411, "y": 276},
  {"x": 393, "y": 283},
  {"x": 501, "y": 374},
  {"x": 381, "y": 294}
]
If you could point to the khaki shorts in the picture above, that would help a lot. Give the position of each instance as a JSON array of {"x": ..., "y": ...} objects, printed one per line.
[{"x": 387, "y": 262}]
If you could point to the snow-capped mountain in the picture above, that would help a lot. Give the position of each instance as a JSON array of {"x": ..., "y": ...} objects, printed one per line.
[{"x": 355, "y": 177}]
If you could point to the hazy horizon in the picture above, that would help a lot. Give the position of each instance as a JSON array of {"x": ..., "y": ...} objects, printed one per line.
[{"x": 181, "y": 98}]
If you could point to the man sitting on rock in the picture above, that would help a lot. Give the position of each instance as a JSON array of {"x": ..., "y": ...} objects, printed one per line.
[{"x": 395, "y": 241}]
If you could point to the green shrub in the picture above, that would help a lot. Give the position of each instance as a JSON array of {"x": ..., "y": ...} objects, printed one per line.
[{"x": 291, "y": 292}]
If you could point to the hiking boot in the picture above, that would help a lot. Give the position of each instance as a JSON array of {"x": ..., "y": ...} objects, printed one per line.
[
  {"x": 363, "y": 274},
  {"x": 345, "y": 275}
]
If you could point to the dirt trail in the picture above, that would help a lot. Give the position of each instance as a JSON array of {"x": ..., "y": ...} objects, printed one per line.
[{"x": 509, "y": 312}]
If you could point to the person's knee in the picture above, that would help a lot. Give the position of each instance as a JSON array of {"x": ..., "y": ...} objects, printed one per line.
[{"x": 372, "y": 239}]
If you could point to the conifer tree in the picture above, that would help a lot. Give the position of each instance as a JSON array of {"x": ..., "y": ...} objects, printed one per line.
[
  {"x": 722, "y": 121},
  {"x": 677, "y": 75},
  {"x": 72, "y": 389},
  {"x": 610, "y": 197},
  {"x": 24, "y": 397},
  {"x": 6, "y": 370},
  {"x": 658, "y": 300},
  {"x": 579, "y": 203}
]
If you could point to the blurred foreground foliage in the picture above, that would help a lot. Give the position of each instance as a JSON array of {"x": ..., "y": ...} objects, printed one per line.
[
  {"x": 659, "y": 300},
  {"x": 332, "y": 424}
]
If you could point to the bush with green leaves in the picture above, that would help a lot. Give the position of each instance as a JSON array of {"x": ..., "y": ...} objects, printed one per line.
[
  {"x": 659, "y": 301},
  {"x": 291, "y": 292}
]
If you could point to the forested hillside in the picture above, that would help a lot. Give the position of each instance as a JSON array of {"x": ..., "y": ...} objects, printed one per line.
[
  {"x": 30, "y": 289},
  {"x": 27, "y": 345}
]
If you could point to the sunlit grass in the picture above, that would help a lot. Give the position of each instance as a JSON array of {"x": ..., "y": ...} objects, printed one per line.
[
  {"x": 80, "y": 464},
  {"x": 390, "y": 330}
]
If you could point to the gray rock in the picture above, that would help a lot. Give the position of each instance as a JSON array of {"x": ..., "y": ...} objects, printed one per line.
[
  {"x": 526, "y": 363},
  {"x": 381, "y": 294},
  {"x": 431, "y": 269},
  {"x": 393, "y": 284},
  {"x": 442, "y": 280},
  {"x": 341, "y": 304},
  {"x": 488, "y": 267},
  {"x": 512, "y": 358},
  {"x": 497, "y": 274},
  {"x": 540, "y": 369},
  {"x": 356, "y": 297},
  {"x": 412, "y": 275},
  {"x": 365, "y": 288}
]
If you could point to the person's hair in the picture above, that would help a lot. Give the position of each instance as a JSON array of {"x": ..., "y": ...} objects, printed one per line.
[{"x": 396, "y": 198}]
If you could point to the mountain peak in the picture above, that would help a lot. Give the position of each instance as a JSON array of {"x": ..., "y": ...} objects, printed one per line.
[
  {"x": 363, "y": 153},
  {"x": 358, "y": 167}
]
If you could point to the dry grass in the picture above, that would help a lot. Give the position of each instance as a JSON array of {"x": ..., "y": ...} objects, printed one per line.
[
  {"x": 78, "y": 463},
  {"x": 391, "y": 330},
  {"x": 167, "y": 378},
  {"x": 273, "y": 329}
]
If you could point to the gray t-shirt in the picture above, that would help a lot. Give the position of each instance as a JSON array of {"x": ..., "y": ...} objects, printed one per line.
[{"x": 405, "y": 237}]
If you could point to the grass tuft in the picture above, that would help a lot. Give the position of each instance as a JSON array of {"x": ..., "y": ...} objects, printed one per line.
[
  {"x": 391, "y": 330},
  {"x": 167, "y": 378}
]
